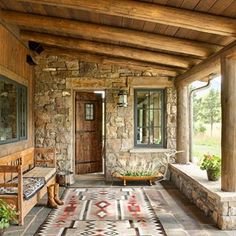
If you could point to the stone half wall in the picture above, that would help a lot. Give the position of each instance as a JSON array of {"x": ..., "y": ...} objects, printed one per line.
[
  {"x": 56, "y": 79},
  {"x": 218, "y": 205}
]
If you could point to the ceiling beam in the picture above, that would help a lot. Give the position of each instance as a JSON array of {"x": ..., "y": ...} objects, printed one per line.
[
  {"x": 114, "y": 34},
  {"x": 209, "y": 67},
  {"x": 152, "y": 12},
  {"x": 110, "y": 50},
  {"x": 105, "y": 60}
]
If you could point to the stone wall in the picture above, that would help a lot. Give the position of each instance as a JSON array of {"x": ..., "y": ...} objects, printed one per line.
[
  {"x": 218, "y": 205},
  {"x": 120, "y": 130},
  {"x": 56, "y": 80}
]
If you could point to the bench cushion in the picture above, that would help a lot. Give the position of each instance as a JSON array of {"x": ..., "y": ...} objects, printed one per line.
[
  {"x": 46, "y": 172},
  {"x": 31, "y": 185}
]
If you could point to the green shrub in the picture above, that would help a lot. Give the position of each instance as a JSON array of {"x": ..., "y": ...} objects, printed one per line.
[
  {"x": 201, "y": 129},
  {"x": 7, "y": 214}
]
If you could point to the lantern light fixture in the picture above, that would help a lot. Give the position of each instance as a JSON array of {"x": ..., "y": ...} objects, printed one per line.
[{"x": 123, "y": 101}]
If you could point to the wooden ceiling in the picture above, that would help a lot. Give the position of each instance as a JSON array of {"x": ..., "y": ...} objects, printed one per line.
[{"x": 170, "y": 36}]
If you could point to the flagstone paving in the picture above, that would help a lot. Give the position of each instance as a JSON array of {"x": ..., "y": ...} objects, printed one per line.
[{"x": 177, "y": 214}]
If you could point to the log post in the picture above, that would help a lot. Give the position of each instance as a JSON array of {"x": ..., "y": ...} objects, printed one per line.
[
  {"x": 228, "y": 138},
  {"x": 182, "y": 124}
]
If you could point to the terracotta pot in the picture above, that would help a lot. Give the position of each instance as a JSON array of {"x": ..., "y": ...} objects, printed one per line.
[{"x": 213, "y": 175}]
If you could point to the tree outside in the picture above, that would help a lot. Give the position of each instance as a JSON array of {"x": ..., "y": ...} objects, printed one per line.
[{"x": 206, "y": 122}]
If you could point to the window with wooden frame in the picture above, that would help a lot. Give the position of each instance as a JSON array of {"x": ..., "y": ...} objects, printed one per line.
[
  {"x": 149, "y": 106},
  {"x": 13, "y": 111}
]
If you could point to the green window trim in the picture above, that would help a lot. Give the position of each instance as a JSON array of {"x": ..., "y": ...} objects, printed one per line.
[
  {"x": 13, "y": 111},
  {"x": 149, "y": 118}
]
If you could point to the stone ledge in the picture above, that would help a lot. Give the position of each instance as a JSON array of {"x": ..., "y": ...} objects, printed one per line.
[
  {"x": 199, "y": 177},
  {"x": 206, "y": 195},
  {"x": 148, "y": 150}
]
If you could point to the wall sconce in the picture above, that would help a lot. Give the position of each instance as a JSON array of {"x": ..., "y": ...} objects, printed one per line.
[{"x": 123, "y": 101}]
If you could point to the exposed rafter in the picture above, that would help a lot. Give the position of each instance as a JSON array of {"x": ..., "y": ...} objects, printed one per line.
[
  {"x": 207, "y": 67},
  {"x": 105, "y": 60},
  {"x": 111, "y": 50},
  {"x": 102, "y": 32},
  {"x": 153, "y": 13}
]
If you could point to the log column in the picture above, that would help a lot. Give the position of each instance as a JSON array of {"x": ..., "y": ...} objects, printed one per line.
[
  {"x": 182, "y": 124},
  {"x": 228, "y": 139}
]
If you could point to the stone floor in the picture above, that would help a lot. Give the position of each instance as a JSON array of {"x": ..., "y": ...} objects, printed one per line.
[{"x": 181, "y": 218}]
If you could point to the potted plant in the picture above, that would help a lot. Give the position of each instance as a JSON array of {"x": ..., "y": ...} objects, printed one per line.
[
  {"x": 136, "y": 169},
  {"x": 212, "y": 164},
  {"x": 7, "y": 215}
]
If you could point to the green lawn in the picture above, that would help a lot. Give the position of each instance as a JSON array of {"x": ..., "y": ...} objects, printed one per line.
[{"x": 205, "y": 144}]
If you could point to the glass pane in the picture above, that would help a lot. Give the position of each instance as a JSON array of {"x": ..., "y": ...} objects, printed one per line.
[
  {"x": 143, "y": 119},
  {"x": 155, "y": 99},
  {"x": 155, "y": 118},
  {"x": 155, "y": 136},
  {"x": 142, "y": 136},
  {"x": 142, "y": 99},
  {"x": 8, "y": 111},
  {"x": 89, "y": 111}
]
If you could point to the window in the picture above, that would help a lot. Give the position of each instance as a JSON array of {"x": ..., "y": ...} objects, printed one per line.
[
  {"x": 13, "y": 111},
  {"x": 149, "y": 118},
  {"x": 89, "y": 111}
]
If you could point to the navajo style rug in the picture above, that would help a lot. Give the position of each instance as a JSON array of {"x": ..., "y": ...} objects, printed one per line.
[{"x": 103, "y": 211}]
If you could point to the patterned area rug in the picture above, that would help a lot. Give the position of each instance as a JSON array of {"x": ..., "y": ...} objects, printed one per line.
[{"x": 103, "y": 211}]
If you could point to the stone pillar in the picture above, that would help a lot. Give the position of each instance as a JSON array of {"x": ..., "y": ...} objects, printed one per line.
[
  {"x": 228, "y": 138},
  {"x": 182, "y": 124}
]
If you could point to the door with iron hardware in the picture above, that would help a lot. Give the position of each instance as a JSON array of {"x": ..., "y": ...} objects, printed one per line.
[{"x": 88, "y": 128}]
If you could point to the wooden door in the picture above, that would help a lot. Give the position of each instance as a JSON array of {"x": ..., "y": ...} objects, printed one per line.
[{"x": 88, "y": 128}]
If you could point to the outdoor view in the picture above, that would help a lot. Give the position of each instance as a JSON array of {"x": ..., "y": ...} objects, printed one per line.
[{"x": 206, "y": 120}]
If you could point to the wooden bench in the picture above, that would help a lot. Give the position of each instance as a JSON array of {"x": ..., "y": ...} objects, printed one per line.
[{"x": 19, "y": 170}]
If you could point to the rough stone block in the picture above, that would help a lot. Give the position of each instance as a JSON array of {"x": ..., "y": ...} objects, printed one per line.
[
  {"x": 232, "y": 211},
  {"x": 232, "y": 203},
  {"x": 227, "y": 222},
  {"x": 112, "y": 132},
  {"x": 113, "y": 145},
  {"x": 57, "y": 64},
  {"x": 126, "y": 145},
  {"x": 72, "y": 65},
  {"x": 223, "y": 208}
]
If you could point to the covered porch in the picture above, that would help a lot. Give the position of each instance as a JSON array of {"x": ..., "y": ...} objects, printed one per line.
[{"x": 102, "y": 84}]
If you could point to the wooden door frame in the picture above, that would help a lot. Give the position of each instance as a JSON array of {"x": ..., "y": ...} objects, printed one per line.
[{"x": 73, "y": 126}]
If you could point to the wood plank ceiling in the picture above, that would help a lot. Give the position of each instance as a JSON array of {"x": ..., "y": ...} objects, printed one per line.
[{"x": 149, "y": 34}]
